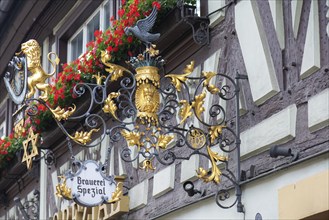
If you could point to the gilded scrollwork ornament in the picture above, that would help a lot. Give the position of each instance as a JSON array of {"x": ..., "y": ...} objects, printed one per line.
[
  {"x": 133, "y": 138},
  {"x": 177, "y": 80},
  {"x": 62, "y": 190},
  {"x": 164, "y": 140},
  {"x": 215, "y": 171},
  {"x": 109, "y": 104},
  {"x": 206, "y": 83},
  {"x": 115, "y": 70},
  {"x": 215, "y": 131},
  {"x": 83, "y": 137},
  {"x": 185, "y": 110},
  {"x": 60, "y": 113},
  {"x": 198, "y": 104}
]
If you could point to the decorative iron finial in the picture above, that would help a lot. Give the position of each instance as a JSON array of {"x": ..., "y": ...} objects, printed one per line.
[{"x": 142, "y": 28}]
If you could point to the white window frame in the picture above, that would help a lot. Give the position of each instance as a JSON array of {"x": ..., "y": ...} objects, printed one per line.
[
  {"x": 83, "y": 28},
  {"x": 3, "y": 126}
]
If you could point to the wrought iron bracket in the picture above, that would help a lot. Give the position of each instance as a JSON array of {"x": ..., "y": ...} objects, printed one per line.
[
  {"x": 30, "y": 208},
  {"x": 200, "y": 28}
]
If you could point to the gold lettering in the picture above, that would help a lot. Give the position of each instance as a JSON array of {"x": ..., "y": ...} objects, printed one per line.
[
  {"x": 77, "y": 211},
  {"x": 67, "y": 213},
  {"x": 87, "y": 213},
  {"x": 58, "y": 216}
]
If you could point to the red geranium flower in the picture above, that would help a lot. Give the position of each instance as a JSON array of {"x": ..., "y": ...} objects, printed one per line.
[{"x": 157, "y": 5}]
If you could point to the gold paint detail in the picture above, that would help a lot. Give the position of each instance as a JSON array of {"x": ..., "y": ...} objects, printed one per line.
[
  {"x": 116, "y": 70},
  {"x": 177, "y": 80},
  {"x": 215, "y": 171},
  {"x": 215, "y": 131},
  {"x": 19, "y": 129},
  {"x": 148, "y": 103},
  {"x": 29, "y": 155},
  {"x": 185, "y": 111},
  {"x": 198, "y": 104},
  {"x": 152, "y": 51},
  {"x": 98, "y": 78},
  {"x": 132, "y": 138},
  {"x": 110, "y": 106},
  {"x": 60, "y": 114},
  {"x": 148, "y": 74},
  {"x": 196, "y": 138},
  {"x": 83, "y": 137},
  {"x": 147, "y": 97},
  {"x": 210, "y": 87},
  {"x": 117, "y": 194},
  {"x": 164, "y": 140},
  {"x": 62, "y": 190},
  {"x": 147, "y": 165},
  {"x": 38, "y": 78}
]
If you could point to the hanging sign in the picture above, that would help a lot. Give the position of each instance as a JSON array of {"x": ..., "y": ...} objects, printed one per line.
[{"x": 88, "y": 186}]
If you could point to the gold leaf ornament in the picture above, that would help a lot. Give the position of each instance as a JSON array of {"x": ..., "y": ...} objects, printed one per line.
[
  {"x": 215, "y": 131},
  {"x": 164, "y": 140},
  {"x": 215, "y": 171},
  {"x": 185, "y": 111},
  {"x": 210, "y": 87},
  {"x": 110, "y": 106},
  {"x": 60, "y": 113},
  {"x": 198, "y": 104},
  {"x": 62, "y": 190},
  {"x": 132, "y": 138},
  {"x": 83, "y": 137},
  {"x": 177, "y": 80},
  {"x": 115, "y": 70}
]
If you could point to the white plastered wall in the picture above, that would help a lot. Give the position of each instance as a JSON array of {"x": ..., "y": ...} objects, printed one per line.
[{"x": 260, "y": 196}]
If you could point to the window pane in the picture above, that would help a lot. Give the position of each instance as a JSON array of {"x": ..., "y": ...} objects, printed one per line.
[
  {"x": 107, "y": 14},
  {"x": 2, "y": 129},
  {"x": 76, "y": 46},
  {"x": 92, "y": 26}
]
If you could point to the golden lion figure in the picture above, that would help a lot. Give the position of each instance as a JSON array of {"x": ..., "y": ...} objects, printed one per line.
[{"x": 38, "y": 78}]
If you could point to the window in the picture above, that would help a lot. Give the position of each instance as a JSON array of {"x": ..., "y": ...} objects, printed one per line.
[
  {"x": 2, "y": 129},
  {"x": 99, "y": 20}
]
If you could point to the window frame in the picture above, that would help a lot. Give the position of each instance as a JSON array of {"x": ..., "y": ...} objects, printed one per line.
[{"x": 84, "y": 27}]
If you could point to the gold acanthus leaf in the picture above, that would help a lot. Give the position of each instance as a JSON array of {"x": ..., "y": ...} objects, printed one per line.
[
  {"x": 62, "y": 190},
  {"x": 215, "y": 131},
  {"x": 211, "y": 88},
  {"x": 115, "y": 70},
  {"x": 185, "y": 111},
  {"x": 164, "y": 140},
  {"x": 84, "y": 137},
  {"x": 215, "y": 171},
  {"x": 117, "y": 194},
  {"x": 132, "y": 137},
  {"x": 60, "y": 113},
  {"x": 110, "y": 106},
  {"x": 177, "y": 80},
  {"x": 198, "y": 104}
]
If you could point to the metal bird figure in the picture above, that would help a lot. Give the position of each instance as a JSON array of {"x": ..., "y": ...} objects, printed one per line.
[{"x": 142, "y": 28}]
